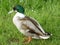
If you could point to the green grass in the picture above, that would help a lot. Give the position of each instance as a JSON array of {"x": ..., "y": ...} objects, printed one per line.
[{"x": 46, "y": 12}]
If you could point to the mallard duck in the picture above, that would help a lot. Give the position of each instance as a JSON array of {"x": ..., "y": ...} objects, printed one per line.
[{"x": 27, "y": 25}]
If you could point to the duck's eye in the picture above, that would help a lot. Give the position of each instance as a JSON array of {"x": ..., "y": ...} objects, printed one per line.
[{"x": 14, "y": 8}]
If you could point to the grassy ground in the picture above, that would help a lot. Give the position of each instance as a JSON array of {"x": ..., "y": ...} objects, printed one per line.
[{"x": 46, "y": 12}]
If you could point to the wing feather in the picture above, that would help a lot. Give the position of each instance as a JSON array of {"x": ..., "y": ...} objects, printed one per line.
[{"x": 33, "y": 25}]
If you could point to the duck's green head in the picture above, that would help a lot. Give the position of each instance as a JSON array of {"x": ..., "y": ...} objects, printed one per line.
[{"x": 17, "y": 8}]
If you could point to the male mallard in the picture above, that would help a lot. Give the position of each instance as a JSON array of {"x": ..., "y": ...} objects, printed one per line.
[{"x": 27, "y": 25}]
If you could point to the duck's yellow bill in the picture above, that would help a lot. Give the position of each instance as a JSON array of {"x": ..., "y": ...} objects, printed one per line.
[{"x": 10, "y": 12}]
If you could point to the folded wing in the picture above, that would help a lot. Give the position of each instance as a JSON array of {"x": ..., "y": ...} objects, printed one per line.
[{"x": 33, "y": 26}]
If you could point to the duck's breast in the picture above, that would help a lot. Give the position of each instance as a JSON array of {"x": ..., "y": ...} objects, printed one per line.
[{"x": 17, "y": 22}]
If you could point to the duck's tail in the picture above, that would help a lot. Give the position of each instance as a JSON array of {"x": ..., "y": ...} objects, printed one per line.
[{"x": 44, "y": 37}]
